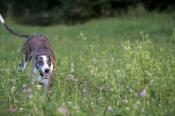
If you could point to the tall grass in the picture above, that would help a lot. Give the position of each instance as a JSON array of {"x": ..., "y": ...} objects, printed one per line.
[{"x": 115, "y": 66}]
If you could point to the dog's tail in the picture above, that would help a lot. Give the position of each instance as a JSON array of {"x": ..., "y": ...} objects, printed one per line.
[{"x": 10, "y": 30}]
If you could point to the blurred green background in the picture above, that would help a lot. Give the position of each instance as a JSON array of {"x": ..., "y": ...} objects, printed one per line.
[{"x": 46, "y": 12}]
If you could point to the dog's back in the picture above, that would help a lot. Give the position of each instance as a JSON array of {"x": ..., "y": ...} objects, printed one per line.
[{"x": 37, "y": 44}]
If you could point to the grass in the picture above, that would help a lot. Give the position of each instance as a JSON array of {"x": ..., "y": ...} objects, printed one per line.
[{"x": 114, "y": 66}]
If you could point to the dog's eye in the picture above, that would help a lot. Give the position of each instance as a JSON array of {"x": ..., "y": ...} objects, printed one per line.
[{"x": 40, "y": 62}]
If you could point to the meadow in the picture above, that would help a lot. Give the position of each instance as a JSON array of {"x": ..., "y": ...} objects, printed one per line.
[{"x": 111, "y": 66}]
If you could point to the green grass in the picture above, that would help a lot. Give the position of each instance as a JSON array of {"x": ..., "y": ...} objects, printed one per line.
[{"x": 114, "y": 66}]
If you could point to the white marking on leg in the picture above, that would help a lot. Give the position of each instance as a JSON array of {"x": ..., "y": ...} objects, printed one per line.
[{"x": 24, "y": 65}]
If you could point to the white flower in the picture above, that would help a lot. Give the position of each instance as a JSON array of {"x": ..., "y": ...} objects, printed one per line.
[
  {"x": 71, "y": 78},
  {"x": 69, "y": 102},
  {"x": 101, "y": 88},
  {"x": 125, "y": 102},
  {"x": 30, "y": 96},
  {"x": 21, "y": 109},
  {"x": 13, "y": 89},
  {"x": 72, "y": 67},
  {"x": 38, "y": 86},
  {"x": 26, "y": 89},
  {"x": 110, "y": 109}
]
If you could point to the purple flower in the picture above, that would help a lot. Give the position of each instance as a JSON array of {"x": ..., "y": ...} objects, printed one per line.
[
  {"x": 12, "y": 110},
  {"x": 63, "y": 110},
  {"x": 143, "y": 93}
]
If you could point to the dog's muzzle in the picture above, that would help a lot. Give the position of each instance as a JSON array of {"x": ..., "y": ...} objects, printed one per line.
[{"x": 44, "y": 74}]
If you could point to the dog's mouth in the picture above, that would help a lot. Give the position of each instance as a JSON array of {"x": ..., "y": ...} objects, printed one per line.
[
  {"x": 41, "y": 74},
  {"x": 45, "y": 75}
]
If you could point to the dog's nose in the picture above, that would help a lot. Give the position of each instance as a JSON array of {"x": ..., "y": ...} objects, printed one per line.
[{"x": 46, "y": 70}]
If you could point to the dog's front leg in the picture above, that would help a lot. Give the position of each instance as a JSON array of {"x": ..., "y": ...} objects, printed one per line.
[
  {"x": 46, "y": 88},
  {"x": 48, "y": 84},
  {"x": 44, "y": 82},
  {"x": 23, "y": 64}
]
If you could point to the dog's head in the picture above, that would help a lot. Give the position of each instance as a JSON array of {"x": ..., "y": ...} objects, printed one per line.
[{"x": 44, "y": 65}]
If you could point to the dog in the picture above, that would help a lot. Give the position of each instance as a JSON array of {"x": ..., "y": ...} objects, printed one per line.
[{"x": 38, "y": 49}]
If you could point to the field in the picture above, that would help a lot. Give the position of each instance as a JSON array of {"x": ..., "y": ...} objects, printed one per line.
[{"x": 111, "y": 66}]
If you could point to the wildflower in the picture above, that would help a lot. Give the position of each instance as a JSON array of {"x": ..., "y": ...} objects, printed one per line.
[
  {"x": 21, "y": 109},
  {"x": 26, "y": 89},
  {"x": 110, "y": 109},
  {"x": 85, "y": 88},
  {"x": 12, "y": 110},
  {"x": 13, "y": 89},
  {"x": 127, "y": 108},
  {"x": 72, "y": 67},
  {"x": 111, "y": 89},
  {"x": 71, "y": 78},
  {"x": 125, "y": 102},
  {"x": 63, "y": 110},
  {"x": 101, "y": 88},
  {"x": 144, "y": 93},
  {"x": 131, "y": 90},
  {"x": 38, "y": 86},
  {"x": 69, "y": 102},
  {"x": 30, "y": 96}
]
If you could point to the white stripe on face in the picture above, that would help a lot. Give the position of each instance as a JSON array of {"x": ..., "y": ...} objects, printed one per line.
[{"x": 45, "y": 64}]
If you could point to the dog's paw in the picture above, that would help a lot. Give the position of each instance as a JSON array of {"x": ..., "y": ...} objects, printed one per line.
[{"x": 19, "y": 68}]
